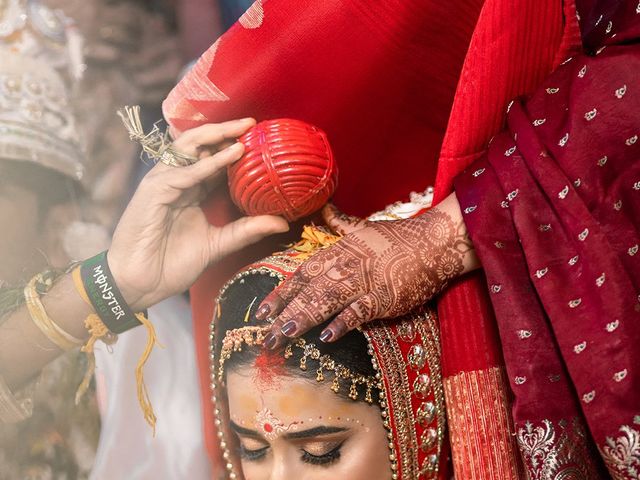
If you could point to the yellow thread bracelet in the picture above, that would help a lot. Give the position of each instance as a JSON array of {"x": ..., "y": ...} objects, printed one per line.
[{"x": 62, "y": 339}]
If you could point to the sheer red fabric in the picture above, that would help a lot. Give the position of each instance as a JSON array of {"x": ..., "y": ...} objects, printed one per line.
[{"x": 552, "y": 209}]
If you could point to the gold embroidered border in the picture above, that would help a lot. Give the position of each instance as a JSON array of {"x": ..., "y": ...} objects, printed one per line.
[
  {"x": 480, "y": 426},
  {"x": 622, "y": 453},
  {"x": 397, "y": 399}
]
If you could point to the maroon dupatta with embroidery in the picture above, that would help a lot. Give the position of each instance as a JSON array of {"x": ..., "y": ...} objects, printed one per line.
[{"x": 553, "y": 209}]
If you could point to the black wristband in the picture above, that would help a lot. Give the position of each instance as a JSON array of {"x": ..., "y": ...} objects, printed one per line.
[{"x": 105, "y": 296}]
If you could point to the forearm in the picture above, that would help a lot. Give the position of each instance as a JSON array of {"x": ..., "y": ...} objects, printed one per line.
[{"x": 24, "y": 349}]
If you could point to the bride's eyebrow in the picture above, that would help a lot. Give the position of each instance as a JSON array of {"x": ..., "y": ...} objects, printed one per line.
[
  {"x": 297, "y": 435},
  {"x": 245, "y": 431},
  {"x": 314, "y": 432}
]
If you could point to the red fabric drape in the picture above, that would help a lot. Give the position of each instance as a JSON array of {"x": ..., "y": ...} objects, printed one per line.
[
  {"x": 553, "y": 212},
  {"x": 377, "y": 77}
]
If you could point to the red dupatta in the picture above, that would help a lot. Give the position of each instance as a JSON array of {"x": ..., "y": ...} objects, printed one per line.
[{"x": 552, "y": 209}]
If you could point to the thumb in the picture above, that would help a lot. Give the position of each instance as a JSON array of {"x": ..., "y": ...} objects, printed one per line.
[
  {"x": 340, "y": 222},
  {"x": 241, "y": 233}
]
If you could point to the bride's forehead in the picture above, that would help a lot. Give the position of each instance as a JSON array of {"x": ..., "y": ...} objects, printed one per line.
[{"x": 290, "y": 397}]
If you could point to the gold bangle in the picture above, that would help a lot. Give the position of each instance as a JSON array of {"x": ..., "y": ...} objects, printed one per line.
[{"x": 47, "y": 326}]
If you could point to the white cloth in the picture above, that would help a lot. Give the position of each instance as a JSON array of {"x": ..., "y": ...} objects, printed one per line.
[{"x": 127, "y": 448}]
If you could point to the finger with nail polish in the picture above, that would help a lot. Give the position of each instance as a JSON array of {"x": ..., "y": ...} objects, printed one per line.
[
  {"x": 326, "y": 336},
  {"x": 289, "y": 328}
]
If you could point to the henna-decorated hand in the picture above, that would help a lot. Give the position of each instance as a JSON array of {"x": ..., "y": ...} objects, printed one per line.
[{"x": 378, "y": 270}]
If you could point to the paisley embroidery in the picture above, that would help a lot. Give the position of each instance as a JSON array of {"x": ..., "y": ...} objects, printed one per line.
[
  {"x": 588, "y": 397},
  {"x": 510, "y": 152},
  {"x": 499, "y": 245},
  {"x": 504, "y": 204},
  {"x": 470, "y": 209},
  {"x": 574, "y": 260},
  {"x": 582, "y": 71},
  {"x": 622, "y": 454},
  {"x": 555, "y": 451},
  {"x": 632, "y": 140},
  {"x": 513, "y": 195},
  {"x": 617, "y": 206},
  {"x": 577, "y": 182},
  {"x": 520, "y": 380},
  {"x": 563, "y": 141},
  {"x": 590, "y": 115},
  {"x": 583, "y": 235},
  {"x": 602, "y": 161},
  {"x": 523, "y": 334},
  {"x": 564, "y": 192},
  {"x": 541, "y": 273},
  {"x": 538, "y": 122},
  {"x": 478, "y": 172},
  {"x": 609, "y": 27},
  {"x": 579, "y": 348},
  {"x": 496, "y": 288},
  {"x": 636, "y": 186},
  {"x": 575, "y": 303},
  {"x": 633, "y": 250},
  {"x": 612, "y": 325},
  {"x": 551, "y": 91},
  {"x": 621, "y": 91},
  {"x": 544, "y": 227},
  {"x": 621, "y": 375},
  {"x": 600, "y": 280}
]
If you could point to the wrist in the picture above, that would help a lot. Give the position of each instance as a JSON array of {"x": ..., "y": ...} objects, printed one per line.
[
  {"x": 131, "y": 295},
  {"x": 105, "y": 295}
]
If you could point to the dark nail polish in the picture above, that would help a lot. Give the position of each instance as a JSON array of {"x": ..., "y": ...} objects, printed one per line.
[
  {"x": 326, "y": 335},
  {"x": 270, "y": 341},
  {"x": 289, "y": 328},
  {"x": 263, "y": 311}
]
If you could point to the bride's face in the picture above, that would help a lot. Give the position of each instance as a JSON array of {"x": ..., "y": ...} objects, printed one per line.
[{"x": 292, "y": 428}]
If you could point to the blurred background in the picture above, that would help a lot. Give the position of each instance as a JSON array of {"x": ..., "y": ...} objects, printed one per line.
[{"x": 66, "y": 67}]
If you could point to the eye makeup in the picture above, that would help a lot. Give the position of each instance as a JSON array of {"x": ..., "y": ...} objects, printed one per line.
[{"x": 321, "y": 453}]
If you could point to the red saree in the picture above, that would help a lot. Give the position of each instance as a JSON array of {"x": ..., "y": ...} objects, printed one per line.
[{"x": 552, "y": 209}]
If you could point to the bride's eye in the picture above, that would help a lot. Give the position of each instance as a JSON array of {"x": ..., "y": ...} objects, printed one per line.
[
  {"x": 316, "y": 456},
  {"x": 252, "y": 455}
]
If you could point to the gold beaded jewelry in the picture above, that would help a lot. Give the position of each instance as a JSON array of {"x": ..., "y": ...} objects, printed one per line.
[
  {"x": 254, "y": 336},
  {"x": 55, "y": 333}
]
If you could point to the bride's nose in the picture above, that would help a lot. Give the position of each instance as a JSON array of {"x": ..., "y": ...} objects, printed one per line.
[{"x": 283, "y": 466}]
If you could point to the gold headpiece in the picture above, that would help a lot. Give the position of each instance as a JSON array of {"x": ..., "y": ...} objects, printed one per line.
[
  {"x": 41, "y": 56},
  {"x": 254, "y": 336}
]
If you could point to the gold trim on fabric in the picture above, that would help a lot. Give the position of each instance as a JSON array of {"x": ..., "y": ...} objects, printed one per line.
[
  {"x": 622, "y": 453},
  {"x": 400, "y": 394},
  {"x": 556, "y": 450},
  {"x": 481, "y": 429}
]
